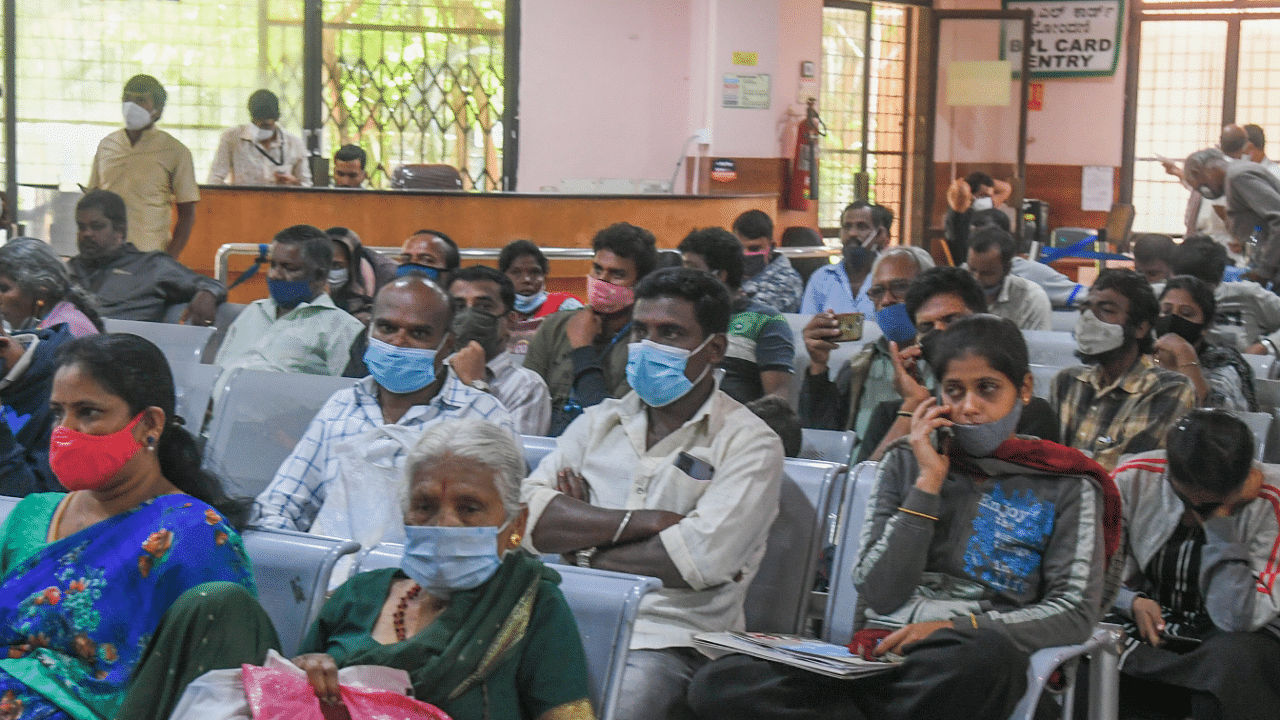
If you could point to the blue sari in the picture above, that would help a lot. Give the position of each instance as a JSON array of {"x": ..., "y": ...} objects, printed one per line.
[{"x": 76, "y": 616}]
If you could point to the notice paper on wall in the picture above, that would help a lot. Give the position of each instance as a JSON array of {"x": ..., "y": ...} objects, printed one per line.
[
  {"x": 1096, "y": 184},
  {"x": 978, "y": 83},
  {"x": 746, "y": 91}
]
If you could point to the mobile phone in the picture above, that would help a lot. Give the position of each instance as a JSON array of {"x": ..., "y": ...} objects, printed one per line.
[
  {"x": 694, "y": 468},
  {"x": 941, "y": 439},
  {"x": 1178, "y": 643},
  {"x": 850, "y": 326}
]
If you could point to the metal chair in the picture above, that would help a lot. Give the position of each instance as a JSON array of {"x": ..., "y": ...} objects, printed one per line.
[
  {"x": 1260, "y": 424},
  {"x": 536, "y": 448},
  {"x": 179, "y": 343},
  {"x": 258, "y": 420},
  {"x": 1262, "y": 365},
  {"x": 193, "y": 385},
  {"x": 1046, "y": 347},
  {"x": 292, "y": 571},
  {"x": 779, "y": 596},
  {"x": 827, "y": 445},
  {"x": 1064, "y": 320},
  {"x": 1044, "y": 375},
  {"x": 7, "y": 504},
  {"x": 426, "y": 177},
  {"x": 604, "y": 605}
]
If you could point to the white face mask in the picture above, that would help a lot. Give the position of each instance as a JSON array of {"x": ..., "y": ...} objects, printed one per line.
[
  {"x": 983, "y": 203},
  {"x": 265, "y": 134},
  {"x": 136, "y": 117},
  {"x": 338, "y": 278}
]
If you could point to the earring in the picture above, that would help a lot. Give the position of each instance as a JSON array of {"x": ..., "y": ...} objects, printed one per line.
[
  {"x": 515, "y": 539},
  {"x": 151, "y": 444}
]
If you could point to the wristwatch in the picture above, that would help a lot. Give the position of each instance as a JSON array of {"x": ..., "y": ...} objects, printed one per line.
[
  {"x": 584, "y": 557},
  {"x": 480, "y": 385}
]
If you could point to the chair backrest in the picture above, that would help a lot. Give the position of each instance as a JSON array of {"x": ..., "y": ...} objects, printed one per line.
[
  {"x": 1064, "y": 320},
  {"x": 829, "y": 445},
  {"x": 1043, "y": 375},
  {"x": 1262, "y": 365},
  {"x": 258, "y": 420},
  {"x": 227, "y": 314},
  {"x": 536, "y": 448},
  {"x": 1047, "y": 347},
  {"x": 7, "y": 504},
  {"x": 842, "y": 599},
  {"x": 1268, "y": 392},
  {"x": 778, "y": 599},
  {"x": 193, "y": 385},
  {"x": 426, "y": 177},
  {"x": 292, "y": 571},
  {"x": 1068, "y": 236},
  {"x": 179, "y": 343},
  {"x": 1260, "y": 424},
  {"x": 604, "y": 605},
  {"x": 1119, "y": 225}
]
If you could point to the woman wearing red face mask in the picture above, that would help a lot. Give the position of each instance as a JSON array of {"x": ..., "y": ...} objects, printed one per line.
[{"x": 94, "y": 593}]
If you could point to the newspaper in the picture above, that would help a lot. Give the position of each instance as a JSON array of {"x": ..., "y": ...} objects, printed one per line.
[{"x": 804, "y": 653}]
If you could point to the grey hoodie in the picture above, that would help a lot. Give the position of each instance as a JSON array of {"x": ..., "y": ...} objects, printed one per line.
[{"x": 1019, "y": 551}]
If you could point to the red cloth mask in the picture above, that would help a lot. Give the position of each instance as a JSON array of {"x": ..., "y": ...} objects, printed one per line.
[
  {"x": 607, "y": 298},
  {"x": 86, "y": 462}
]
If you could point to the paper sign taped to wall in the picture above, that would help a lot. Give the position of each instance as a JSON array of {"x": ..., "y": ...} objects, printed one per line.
[
  {"x": 1096, "y": 188},
  {"x": 979, "y": 83}
]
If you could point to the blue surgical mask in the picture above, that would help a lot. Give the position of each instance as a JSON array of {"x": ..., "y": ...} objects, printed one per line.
[
  {"x": 401, "y": 370},
  {"x": 527, "y": 304},
  {"x": 444, "y": 560},
  {"x": 408, "y": 268},
  {"x": 983, "y": 439},
  {"x": 656, "y": 372},
  {"x": 289, "y": 293},
  {"x": 896, "y": 324}
]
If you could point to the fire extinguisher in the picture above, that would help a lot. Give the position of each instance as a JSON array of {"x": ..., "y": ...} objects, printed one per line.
[{"x": 803, "y": 185}]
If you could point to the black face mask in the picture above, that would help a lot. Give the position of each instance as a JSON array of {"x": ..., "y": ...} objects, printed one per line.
[
  {"x": 754, "y": 263},
  {"x": 1178, "y": 325},
  {"x": 473, "y": 324}
]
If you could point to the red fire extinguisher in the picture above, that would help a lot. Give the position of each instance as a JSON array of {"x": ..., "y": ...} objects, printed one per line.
[{"x": 803, "y": 185}]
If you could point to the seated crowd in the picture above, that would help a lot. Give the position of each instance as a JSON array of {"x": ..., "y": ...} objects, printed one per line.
[{"x": 1004, "y": 518}]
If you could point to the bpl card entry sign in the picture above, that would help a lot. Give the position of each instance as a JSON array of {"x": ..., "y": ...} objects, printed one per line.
[{"x": 1069, "y": 38}]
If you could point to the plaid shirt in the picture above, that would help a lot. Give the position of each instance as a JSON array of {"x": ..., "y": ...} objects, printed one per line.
[
  {"x": 297, "y": 492},
  {"x": 1131, "y": 415},
  {"x": 779, "y": 285}
]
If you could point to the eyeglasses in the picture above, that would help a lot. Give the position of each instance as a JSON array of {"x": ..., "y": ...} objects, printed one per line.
[{"x": 897, "y": 288}]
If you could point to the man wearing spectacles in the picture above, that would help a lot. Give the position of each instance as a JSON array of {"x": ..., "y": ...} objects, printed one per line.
[{"x": 868, "y": 377}]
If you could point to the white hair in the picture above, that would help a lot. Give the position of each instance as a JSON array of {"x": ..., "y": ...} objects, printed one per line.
[
  {"x": 923, "y": 259},
  {"x": 477, "y": 440}
]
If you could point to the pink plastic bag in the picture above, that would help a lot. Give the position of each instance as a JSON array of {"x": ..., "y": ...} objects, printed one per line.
[{"x": 282, "y": 695}]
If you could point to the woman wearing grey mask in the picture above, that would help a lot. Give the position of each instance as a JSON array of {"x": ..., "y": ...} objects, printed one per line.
[{"x": 978, "y": 550}]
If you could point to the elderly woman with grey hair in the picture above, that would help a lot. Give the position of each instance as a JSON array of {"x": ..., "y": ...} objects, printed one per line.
[
  {"x": 480, "y": 626},
  {"x": 36, "y": 290}
]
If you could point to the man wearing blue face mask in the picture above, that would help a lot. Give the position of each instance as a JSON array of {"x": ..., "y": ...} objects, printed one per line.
[
  {"x": 868, "y": 378},
  {"x": 349, "y": 463},
  {"x": 990, "y": 261},
  {"x": 430, "y": 253},
  {"x": 676, "y": 480},
  {"x": 297, "y": 328},
  {"x": 1119, "y": 402}
]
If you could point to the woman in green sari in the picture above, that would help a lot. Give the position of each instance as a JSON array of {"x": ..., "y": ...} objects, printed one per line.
[{"x": 480, "y": 626}]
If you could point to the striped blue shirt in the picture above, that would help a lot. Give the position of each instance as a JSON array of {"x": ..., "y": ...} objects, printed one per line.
[{"x": 297, "y": 492}]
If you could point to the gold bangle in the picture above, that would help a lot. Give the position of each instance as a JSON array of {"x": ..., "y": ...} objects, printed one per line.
[
  {"x": 905, "y": 414},
  {"x": 973, "y": 619},
  {"x": 917, "y": 514}
]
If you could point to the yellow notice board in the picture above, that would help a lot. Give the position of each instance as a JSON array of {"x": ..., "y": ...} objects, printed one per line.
[{"x": 979, "y": 83}]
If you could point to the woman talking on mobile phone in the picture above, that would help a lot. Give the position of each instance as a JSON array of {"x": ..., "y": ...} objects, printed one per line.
[{"x": 980, "y": 547}]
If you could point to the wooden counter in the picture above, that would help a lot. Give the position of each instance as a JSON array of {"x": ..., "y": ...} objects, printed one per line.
[{"x": 387, "y": 217}]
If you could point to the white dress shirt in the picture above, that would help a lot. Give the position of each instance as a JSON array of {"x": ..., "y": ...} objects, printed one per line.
[
  {"x": 242, "y": 160},
  {"x": 718, "y": 545}
]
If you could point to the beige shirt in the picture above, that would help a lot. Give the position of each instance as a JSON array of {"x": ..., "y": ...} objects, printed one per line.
[
  {"x": 150, "y": 176},
  {"x": 522, "y": 391},
  {"x": 1024, "y": 302},
  {"x": 718, "y": 545},
  {"x": 242, "y": 160}
]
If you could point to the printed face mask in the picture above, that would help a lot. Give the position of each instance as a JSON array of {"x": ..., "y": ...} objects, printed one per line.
[
  {"x": 472, "y": 324},
  {"x": 657, "y": 372},
  {"x": 1095, "y": 337},
  {"x": 607, "y": 298},
  {"x": 529, "y": 304},
  {"x": 444, "y": 560},
  {"x": 401, "y": 370},
  {"x": 1178, "y": 325},
  {"x": 87, "y": 462},
  {"x": 983, "y": 439},
  {"x": 136, "y": 117}
]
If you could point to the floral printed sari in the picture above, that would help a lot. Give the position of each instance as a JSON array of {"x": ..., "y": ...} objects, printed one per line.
[{"x": 76, "y": 616}]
